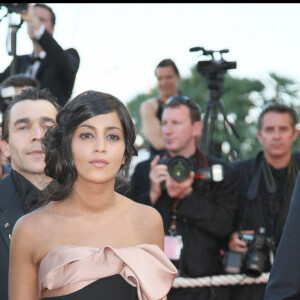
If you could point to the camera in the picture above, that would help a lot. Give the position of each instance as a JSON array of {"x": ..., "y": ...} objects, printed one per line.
[
  {"x": 179, "y": 169},
  {"x": 215, "y": 66},
  {"x": 255, "y": 257},
  {"x": 253, "y": 261},
  {"x": 6, "y": 95},
  {"x": 15, "y": 7}
]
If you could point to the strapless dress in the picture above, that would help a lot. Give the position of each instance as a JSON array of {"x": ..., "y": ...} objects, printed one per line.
[{"x": 130, "y": 273}]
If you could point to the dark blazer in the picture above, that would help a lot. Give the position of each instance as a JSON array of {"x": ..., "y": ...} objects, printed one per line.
[
  {"x": 284, "y": 280},
  {"x": 57, "y": 71},
  {"x": 10, "y": 212}
]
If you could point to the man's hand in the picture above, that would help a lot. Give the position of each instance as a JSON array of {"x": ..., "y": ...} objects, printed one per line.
[
  {"x": 158, "y": 174},
  {"x": 236, "y": 244},
  {"x": 180, "y": 189},
  {"x": 33, "y": 22}
]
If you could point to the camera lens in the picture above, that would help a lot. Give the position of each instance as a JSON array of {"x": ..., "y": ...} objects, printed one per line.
[
  {"x": 179, "y": 168},
  {"x": 254, "y": 263}
]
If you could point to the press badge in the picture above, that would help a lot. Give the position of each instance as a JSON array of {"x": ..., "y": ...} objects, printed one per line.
[{"x": 173, "y": 246}]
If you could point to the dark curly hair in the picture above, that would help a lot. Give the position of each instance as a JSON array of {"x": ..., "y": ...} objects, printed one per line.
[{"x": 57, "y": 141}]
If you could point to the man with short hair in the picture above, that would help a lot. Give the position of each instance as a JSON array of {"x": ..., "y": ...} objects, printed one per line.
[
  {"x": 24, "y": 124},
  {"x": 10, "y": 87},
  {"x": 266, "y": 183},
  {"x": 197, "y": 213},
  {"x": 54, "y": 67}
]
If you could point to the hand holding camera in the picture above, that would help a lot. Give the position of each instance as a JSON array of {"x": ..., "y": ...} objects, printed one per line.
[
  {"x": 180, "y": 189},
  {"x": 158, "y": 174},
  {"x": 252, "y": 261},
  {"x": 237, "y": 243},
  {"x": 178, "y": 182}
]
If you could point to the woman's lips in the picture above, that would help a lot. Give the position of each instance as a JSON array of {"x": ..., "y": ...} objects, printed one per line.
[{"x": 99, "y": 163}]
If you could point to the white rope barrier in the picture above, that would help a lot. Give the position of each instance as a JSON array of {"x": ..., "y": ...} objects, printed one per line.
[{"x": 239, "y": 279}]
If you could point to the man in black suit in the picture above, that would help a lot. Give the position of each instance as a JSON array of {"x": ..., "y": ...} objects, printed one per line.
[
  {"x": 54, "y": 67},
  {"x": 24, "y": 124},
  {"x": 197, "y": 212}
]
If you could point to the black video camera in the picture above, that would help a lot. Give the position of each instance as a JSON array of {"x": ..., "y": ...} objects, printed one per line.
[
  {"x": 15, "y": 7},
  {"x": 215, "y": 66},
  {"x": 253, "y": 261},
  {"x": 179, "y": 169}
]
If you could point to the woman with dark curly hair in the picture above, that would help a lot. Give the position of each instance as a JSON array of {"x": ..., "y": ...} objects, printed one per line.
[{"x": 88, "y": 241}]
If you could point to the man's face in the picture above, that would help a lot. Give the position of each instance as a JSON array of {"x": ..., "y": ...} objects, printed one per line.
[
  {"x": 178, "y": 131},
  {"x": 45, "y": 18},
  {"x": 27, "y": 125},
  {"x": 167, "y": 81},
  {"x": 277, "y": 134}
]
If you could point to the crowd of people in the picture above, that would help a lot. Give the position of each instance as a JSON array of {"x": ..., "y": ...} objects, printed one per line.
[{"x": 74, "y": 224}]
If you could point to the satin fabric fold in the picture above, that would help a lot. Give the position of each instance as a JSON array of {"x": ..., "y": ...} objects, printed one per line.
[{"x": 67, "y": 269}]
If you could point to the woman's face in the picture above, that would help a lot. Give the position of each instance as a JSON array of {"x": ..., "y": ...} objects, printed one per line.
[
  {"x": 98, "y": 148},
  {"x": 167, "y": 81}
]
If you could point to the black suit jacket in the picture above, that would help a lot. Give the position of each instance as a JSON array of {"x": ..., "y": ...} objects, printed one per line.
[
  {"x": 284, "y": 280},
  {"x": 57, "y": 71},
  {"x": 10, "y": 212}
]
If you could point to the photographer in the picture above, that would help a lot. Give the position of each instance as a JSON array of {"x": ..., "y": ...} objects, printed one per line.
[
  {"x": 52, "y": 66},
  {"x": 266, "y": 183},
  {"x": 197, "y": 213}
]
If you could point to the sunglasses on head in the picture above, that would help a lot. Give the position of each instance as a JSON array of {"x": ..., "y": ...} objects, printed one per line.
[{"x": 182, "y": 99}]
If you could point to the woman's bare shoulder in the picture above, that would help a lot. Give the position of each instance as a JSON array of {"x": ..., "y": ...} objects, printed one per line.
[
  {"x": 32, "y": 231},
  {"x": 30, "y": 220},
  {"x": 145, "y": 216}
]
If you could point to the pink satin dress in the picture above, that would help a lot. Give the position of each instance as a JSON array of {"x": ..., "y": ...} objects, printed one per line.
[{"x": 77, "y": 272}]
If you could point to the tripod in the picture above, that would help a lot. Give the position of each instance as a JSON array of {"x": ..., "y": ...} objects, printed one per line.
[
  {"x": 215, "y": 84},
  {"x": 214, "y": 71}
]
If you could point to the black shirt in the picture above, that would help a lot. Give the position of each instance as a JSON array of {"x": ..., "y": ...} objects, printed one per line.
[{"x": 28, "y": 193}]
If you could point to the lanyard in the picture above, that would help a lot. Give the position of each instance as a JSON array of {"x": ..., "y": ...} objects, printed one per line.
[{"x": 173, "y": 226}]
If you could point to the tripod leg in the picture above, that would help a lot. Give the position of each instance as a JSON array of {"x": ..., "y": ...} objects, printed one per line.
[
  {"x": 208, "y": 126},
  {"x": 222, "y": 108},
  {"x": 203, "y": 138}
]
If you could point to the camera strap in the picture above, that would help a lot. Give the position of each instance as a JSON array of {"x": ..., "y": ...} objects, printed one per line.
[{"x": 200, "y": 157}]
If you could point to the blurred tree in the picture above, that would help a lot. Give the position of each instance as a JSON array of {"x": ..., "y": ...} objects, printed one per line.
[{"x": 242, "y": 99}]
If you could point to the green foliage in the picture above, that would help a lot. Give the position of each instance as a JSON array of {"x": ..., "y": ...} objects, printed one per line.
[{"x": 242, "y": 101}]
